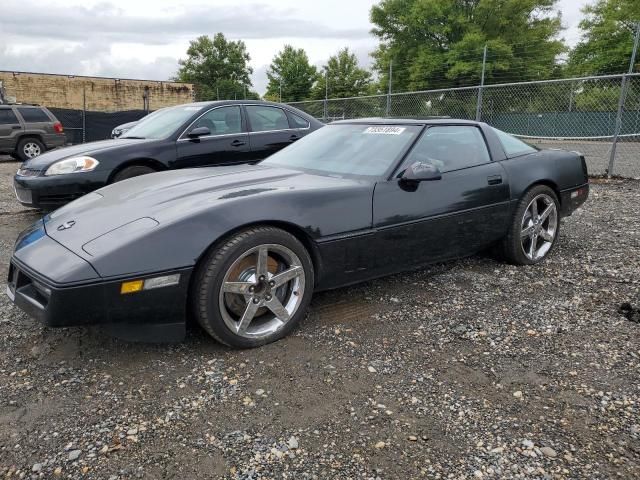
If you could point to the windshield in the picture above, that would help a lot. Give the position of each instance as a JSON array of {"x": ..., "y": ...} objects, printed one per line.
[
  {"x": 346, "y": 149},
  {"x": 162, "y": 123}
]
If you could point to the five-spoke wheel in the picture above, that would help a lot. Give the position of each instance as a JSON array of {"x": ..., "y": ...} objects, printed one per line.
[
  {"x": 254, "y": 289},
  {"x": 538, "y": 227},
  {"x": 534, "y": 228}
]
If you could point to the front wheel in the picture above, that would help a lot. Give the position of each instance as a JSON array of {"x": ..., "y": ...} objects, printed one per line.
[
  {"x": 254, "y": 288},
  {"x": 534, "y": 229},
  {"x": 131, "y": 172}
]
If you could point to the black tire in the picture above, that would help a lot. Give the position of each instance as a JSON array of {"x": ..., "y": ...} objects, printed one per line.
[
  {"x": 511, "y": 247},
  {"x": 24, "y": 145},
  {"x": 132, "y": 171},
  {"x": 15, "y": 156},
  {"x": 210, "y": 275}
]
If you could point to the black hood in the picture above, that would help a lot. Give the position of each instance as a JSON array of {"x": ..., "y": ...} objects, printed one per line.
[{"x": 93, "y": 149}]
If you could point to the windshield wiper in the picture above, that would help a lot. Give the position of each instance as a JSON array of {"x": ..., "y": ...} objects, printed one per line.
[{"x": 136, "y": 138}]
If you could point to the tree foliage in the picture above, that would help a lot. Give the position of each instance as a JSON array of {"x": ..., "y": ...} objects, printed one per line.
[
  {"x": 439, "y": 43},
  {"x": 608, "y": 31},
  {"x": 291, "y": 69},
  {"x": 344, "y": 76},
  {"x": 219, "y": 67}
]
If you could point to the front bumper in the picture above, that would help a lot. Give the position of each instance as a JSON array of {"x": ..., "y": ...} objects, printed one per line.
[
  {"x": 155, "y": 315},
  {"x": 52, "y": 192}
]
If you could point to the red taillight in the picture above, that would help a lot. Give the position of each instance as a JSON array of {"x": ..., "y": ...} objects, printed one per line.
[{"x": 57, "y": 127}]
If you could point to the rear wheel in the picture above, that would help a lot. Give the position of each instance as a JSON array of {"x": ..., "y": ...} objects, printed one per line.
[
  {"x": 254, "y": 288},
  {"x": 29, "y": 148},
  {"x": 132, "y": 171},
  {"x": 534, "y": 229}
]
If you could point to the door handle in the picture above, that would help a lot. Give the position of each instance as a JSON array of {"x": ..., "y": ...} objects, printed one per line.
[
  {"x": 494, "y": 179},
  {"x": 238, "y": 143},
  {"x": 16, "y": 127},
  {"x": 293, "y": 138}
]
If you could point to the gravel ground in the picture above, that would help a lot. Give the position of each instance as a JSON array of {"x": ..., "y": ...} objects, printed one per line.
[{"x": 470, "y": 369}]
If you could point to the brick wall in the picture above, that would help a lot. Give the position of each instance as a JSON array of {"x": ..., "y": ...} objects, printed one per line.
[{"x": 102, "y": 94}]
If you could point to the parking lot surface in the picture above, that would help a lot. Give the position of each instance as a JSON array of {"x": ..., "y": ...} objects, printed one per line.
[{"x": 470, "y": 369}]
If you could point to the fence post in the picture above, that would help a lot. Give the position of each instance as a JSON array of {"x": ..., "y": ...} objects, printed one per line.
[
  {"x": 325, "y": 108},
  {"x": 84, "y": 113},
  {"x": 621, "y": 102},
  {"x": 479, "y": 103},
  {"x": 388, "y": 112}
]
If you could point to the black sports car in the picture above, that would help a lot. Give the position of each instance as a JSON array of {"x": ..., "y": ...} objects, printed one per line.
[
  {"x": 194, "y": 135},
  {"x": 242, "y": 248}
]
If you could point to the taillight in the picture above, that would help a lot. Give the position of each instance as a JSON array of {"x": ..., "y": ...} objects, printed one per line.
[{"x": 57, "y": 127}]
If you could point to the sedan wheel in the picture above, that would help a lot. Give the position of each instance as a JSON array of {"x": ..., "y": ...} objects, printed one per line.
[
  {"x": 255, "y": 288},
  {"x": 534, "y": 228}
]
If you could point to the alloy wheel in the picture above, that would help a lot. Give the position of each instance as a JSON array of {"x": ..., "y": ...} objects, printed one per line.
[
  {"x": 539, "y": 226},
  {"x": 31, "y": 149},
  {"x": 261, "y": 291}
]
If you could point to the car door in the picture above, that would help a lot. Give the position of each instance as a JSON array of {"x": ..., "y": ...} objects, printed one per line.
[
  {"x": 269, "y": 130},
  {"x": 459, "y": 214},
  {"x": 10, "y": 129},
  {"x": 227, "y": 142}
]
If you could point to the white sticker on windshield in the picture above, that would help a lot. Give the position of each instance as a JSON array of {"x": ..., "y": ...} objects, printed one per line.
[{"x": 385, "y": 130}]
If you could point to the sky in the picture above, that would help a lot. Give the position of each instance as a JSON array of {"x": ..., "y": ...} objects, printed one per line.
[{"x": 145, "y": 38}]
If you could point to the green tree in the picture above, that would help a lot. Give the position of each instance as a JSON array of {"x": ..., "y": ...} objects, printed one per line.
[
  {"x": 607, "y": 42},
  {"x": 345, "y": 77},
  {"x": 439, "y": 43},
  {"x": 290, "y": 69},
  {"x": 218, "y": 67}
]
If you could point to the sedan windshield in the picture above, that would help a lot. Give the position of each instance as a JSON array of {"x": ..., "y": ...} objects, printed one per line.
[
  {"x": 162, "y": 123},
  {"x": 348, "y": 149}
]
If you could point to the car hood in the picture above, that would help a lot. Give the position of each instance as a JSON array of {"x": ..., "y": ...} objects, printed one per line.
[
  {"x": 92, "y": 148},
  {"x": 134, "y": 206}
]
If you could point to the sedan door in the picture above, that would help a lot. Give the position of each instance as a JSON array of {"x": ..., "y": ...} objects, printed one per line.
[
  {"x": 269, "y": 130},
  {"x": 226, "y": 143},
  {"x": 10, "y": 129},
  {"x": 456, "y": 215}
]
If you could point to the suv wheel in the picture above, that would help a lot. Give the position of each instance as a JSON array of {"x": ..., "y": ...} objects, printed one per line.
[{"x": 29, "y": 148}]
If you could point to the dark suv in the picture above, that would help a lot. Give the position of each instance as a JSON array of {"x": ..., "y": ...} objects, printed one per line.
[{"x": 26, "y": 131}]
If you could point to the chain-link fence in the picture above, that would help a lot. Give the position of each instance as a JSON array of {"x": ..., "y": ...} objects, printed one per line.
[
  {"x": 82, "y": 126},
  {"x": 598, "y": 116}
]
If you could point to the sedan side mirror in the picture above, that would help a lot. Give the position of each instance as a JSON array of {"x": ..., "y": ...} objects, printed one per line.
[
  {"x": 199, "y": 132},
  {"x": 421, "y": 172}
]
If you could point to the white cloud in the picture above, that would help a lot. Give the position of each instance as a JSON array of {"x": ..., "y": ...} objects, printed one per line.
[{"x": 145, "y": 39}]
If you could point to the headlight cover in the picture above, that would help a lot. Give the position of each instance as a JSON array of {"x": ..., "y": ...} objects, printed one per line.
[{"x": 72, "y": 165}]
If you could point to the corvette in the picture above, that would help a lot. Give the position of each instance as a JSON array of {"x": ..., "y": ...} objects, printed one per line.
[{"x": 242, "y": 248}]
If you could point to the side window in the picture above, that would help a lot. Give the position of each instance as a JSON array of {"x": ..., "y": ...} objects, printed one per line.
[
  {"x": 263, "y": 119},
  {"x": 33, "y": 115},
  {"x": 450, "y": 148},
  {"x": 512, "y": 146},
  {"x": 7, "y": 117},
  {"x": 297, "y": 121},
  {"x": 221, "y": 121}
]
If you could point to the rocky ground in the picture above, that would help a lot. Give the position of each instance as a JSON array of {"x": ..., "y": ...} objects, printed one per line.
[{"x": 471, "y": 369}]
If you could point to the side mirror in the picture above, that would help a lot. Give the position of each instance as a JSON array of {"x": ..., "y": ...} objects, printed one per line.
[
  {"x": 199, "y": 132},
  {"x": 421, "y": 172}
]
